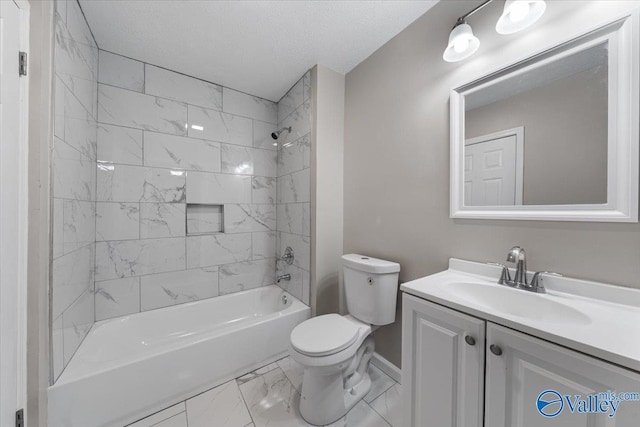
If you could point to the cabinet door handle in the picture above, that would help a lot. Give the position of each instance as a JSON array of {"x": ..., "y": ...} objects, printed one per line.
[
  {"x": 470, "y": 340},
  {"x": 495, "y": 350}
]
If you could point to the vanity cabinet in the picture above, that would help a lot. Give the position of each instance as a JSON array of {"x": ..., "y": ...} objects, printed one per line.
[
  {"x": 443, "y": 365},
  {"x": 454, "y": 377},
  {"x": 527, "y": 366}
]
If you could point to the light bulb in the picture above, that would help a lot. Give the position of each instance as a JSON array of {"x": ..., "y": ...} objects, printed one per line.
[
  {"x": 519, "y": 14},
  {"x": 519, "y": 10},
  {"x": 461, "y": 45}
]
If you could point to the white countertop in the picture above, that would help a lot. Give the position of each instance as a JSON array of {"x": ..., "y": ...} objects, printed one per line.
[{"x": 609, "y": 329}]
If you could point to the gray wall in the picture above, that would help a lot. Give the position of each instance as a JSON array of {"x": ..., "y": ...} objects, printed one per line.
[
  {"x": 396, "y": 193},
  {"x": 326, "y": 189},
  {"x": 41, "y": 46},
  {"x": 565, "y": 137}
]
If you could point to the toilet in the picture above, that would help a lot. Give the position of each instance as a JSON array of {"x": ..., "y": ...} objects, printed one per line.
[{"x": 335, "y": 350}]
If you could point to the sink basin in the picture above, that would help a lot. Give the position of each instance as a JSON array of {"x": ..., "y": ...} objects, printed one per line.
[{"x": 517, "y": 302}]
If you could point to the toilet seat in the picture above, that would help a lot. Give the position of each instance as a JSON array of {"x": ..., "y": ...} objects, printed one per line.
[{"x": 324, "y": 335}]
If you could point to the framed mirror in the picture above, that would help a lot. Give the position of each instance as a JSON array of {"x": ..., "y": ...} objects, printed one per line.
[{"x": 553, "y": 137}]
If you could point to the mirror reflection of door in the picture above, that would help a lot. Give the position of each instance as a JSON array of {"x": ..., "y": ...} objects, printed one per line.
[{"x": 493, "y": 169}]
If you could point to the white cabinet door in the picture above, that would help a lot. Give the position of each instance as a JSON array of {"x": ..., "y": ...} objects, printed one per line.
[
  {"x": 442, "y": 373},
  {"x": 527, "y": 367}
]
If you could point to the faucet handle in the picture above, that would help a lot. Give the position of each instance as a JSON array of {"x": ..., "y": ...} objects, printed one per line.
[
  {"x": 505, "y": 276},
  {"x": 536, "y": 284}
]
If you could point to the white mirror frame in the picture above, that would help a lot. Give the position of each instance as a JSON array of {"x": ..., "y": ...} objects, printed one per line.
[{"x": 623, "y": 37}]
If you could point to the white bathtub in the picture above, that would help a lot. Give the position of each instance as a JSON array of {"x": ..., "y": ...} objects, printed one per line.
[{"x": 132, "y": 366}]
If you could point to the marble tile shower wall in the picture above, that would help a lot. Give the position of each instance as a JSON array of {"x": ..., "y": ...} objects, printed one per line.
[
  {"x": 293, "y": 222},
  {"x": 73, "y": 183},
  {"x": 166, "y": 142}
]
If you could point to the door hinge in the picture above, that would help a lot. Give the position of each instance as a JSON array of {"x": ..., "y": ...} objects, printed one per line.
[
  {"x": 23, "y": 63},
  {"x": 20, "y": 418}
]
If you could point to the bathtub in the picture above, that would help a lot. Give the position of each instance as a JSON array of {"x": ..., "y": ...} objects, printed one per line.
[{"x": 129, "y": 367}]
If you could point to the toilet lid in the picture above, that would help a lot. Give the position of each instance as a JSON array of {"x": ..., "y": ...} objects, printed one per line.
[{"x": 323, "y": 335}]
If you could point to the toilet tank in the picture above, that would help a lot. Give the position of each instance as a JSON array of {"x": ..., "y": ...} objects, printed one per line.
[{"x": 371, "y": 287}]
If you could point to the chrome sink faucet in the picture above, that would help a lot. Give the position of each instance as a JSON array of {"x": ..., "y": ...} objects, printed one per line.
[{"x": 518, "y": 256}]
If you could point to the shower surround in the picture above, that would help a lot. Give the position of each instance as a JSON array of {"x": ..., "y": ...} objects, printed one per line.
[
  {"x": 294, "y": 187},
  {"x": 186, "y": 189},
  {"x": 167, "y": 189},
  {"x": 73, "y": 184}
]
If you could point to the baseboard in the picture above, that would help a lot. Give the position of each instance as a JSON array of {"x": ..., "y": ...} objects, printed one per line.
[{"x": 387, "y": 367}]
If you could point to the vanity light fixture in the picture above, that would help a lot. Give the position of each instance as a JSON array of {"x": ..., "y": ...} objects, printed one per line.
[
  {"x": 462, "y": 42},
  {"x": 517, "y": 15}
]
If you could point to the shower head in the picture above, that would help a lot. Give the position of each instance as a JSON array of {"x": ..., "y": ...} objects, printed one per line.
[{"x": 276, "y": 134}]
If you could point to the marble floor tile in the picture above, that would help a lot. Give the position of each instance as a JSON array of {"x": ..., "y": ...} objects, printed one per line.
[
  {"x": 269, "y": 396},
  {"x": 255, "y": 374},
  {"x": 273, "y": 400},
  {"x": 222, "y": 406},
  {"x": 389, "y": 405},
  {"x": 380, "y": 382},
  {"x": 361, "y": 416},
  {"x": 161, "y": 416},
  {"x": 179, "y": 420},
  {"x": 293, "y": 370}
]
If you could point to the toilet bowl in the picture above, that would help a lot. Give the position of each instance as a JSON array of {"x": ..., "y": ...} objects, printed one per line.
[{"x": 336, "y": 350}]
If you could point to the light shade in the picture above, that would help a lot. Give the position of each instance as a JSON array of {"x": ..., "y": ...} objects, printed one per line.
[
  {"x": 462, "y": 43},
  {"x": 519, "y": 14}
]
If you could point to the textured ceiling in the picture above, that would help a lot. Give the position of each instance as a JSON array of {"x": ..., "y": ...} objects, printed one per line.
[{"x": 259, "y": 47}]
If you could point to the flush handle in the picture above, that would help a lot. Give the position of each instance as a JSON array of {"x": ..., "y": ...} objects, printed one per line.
[
  {"x": 495, "y": 350},
  {"x": 470, "y": 340}
]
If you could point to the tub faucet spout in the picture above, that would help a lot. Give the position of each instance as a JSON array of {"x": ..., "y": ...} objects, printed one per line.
[{"x": 286, "y": 277}]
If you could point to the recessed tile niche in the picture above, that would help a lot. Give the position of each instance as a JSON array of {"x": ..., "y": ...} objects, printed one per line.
[{"x": 204, "y": 219}]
